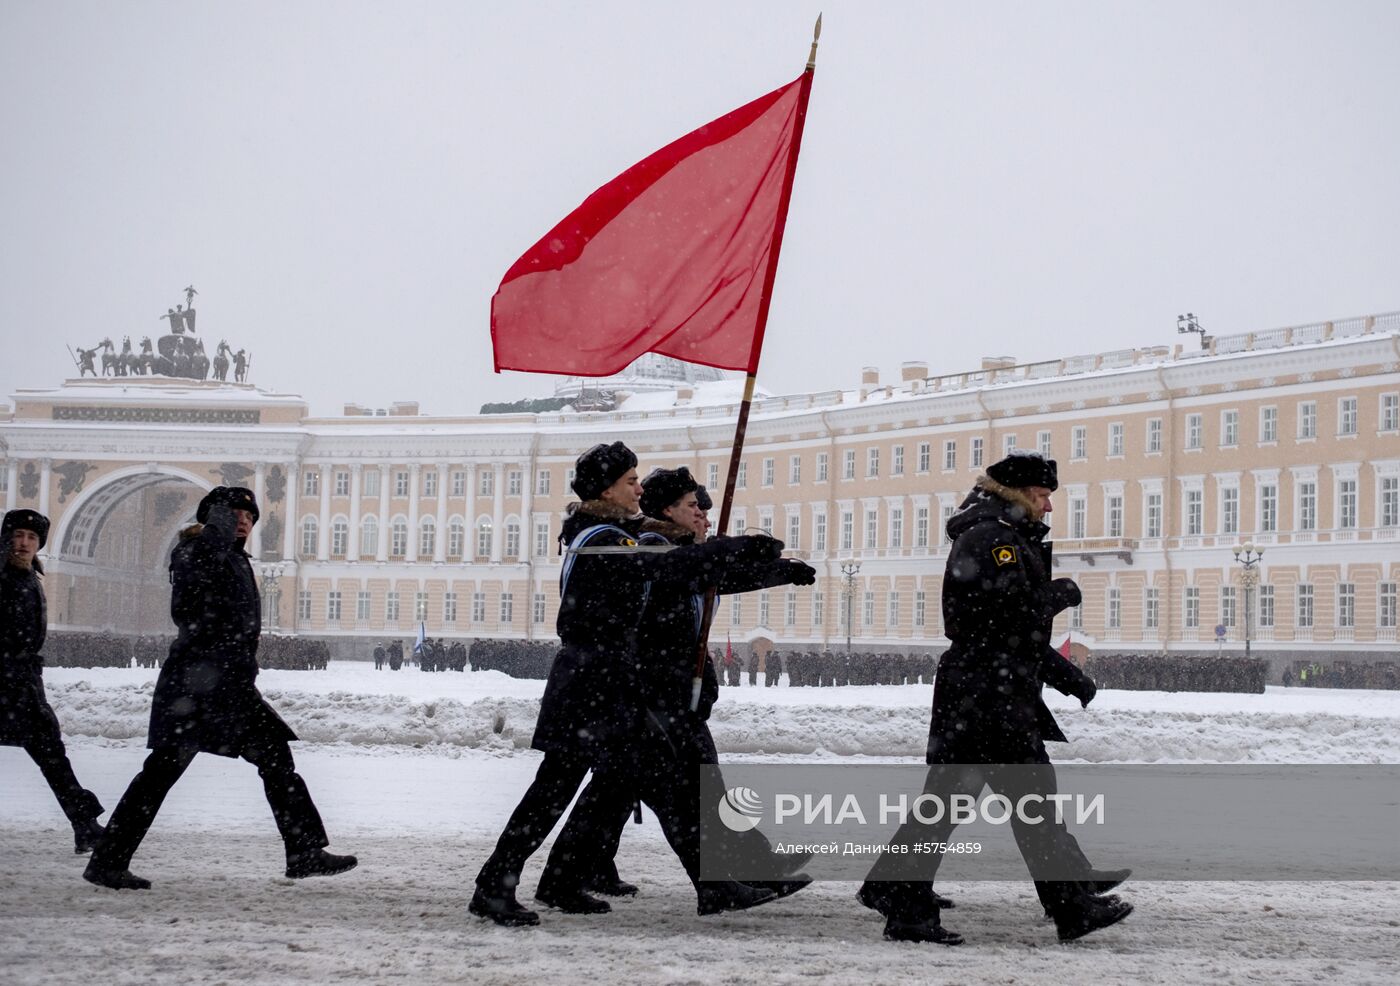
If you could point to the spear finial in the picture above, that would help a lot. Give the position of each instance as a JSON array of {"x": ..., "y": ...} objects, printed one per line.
[{"x": 816, "y": 36}]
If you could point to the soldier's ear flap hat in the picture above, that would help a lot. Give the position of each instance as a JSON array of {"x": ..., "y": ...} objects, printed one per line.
[
  {"x": 233, "y": 497},
  {"x": 663, "y": 487},
  {"x": 600, "y": 467},
  {"x": 1024, "y": 467},
  {"x": 24, "y": 520}
]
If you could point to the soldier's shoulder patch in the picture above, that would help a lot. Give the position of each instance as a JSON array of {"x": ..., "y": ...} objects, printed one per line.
[
  {"x": 628, "y": 543},
  {"x": 1004, "y": 554}
]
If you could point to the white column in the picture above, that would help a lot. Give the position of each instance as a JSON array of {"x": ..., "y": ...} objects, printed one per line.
[
  {"x": 45, "y": 478},
  {"x": 469, "y": 549},
  {"x": 323, "y": 541},
  {"x": 527, "y": 527},
  {"x": 498, "y": 509},
  {"x": 440, "y": 543},
  {"x": 353, "y": 554},
  {"x": 11, "y": 484},
  {"x": 259, "y": 494},
  {"x": 414, "y": 477},
  {"x": 383, "y": 553},
  {"x": 289, "y": 534}
]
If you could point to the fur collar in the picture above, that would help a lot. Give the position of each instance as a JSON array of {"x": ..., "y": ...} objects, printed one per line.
[
  {"x": 672, "y": 532},
  {"x": 1011, "y": 494},
  {"x": 602, "y": 509}
]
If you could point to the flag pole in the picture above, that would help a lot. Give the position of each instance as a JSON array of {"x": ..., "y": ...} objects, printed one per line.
[{"x": 765, "y": 299}]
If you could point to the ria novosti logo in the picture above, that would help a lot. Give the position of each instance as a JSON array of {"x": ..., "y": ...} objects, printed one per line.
[{"x": 740, "y": 809}]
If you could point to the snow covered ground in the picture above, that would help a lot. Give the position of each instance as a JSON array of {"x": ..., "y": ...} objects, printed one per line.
[{"x": 416, "y": 773}]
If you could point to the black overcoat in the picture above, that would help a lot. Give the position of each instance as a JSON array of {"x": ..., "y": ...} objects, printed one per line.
[{"x": 24, "y": 710}]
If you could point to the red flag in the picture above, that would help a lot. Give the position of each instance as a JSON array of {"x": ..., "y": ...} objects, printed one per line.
[
  {"x": 728, "y": 650},
  {"x": 1064, "y": 648},
  {"x": 669, "y": 257}
]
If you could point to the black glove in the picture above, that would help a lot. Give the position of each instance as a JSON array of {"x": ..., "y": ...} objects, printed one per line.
[
  {"x": 1065, "y": 594},
  {"x": 1086, "y": 692},
  {"x": 800, "y": 572},
  {"x": 752, "y": 549}
]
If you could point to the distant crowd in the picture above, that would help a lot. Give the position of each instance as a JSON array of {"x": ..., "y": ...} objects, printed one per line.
[
  {"x": 104, "y": 649},
  {"x": 1343, "y": 675}
]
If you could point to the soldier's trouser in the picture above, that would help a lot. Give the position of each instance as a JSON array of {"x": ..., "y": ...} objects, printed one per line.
[
  {"x": 297, "y": 819},
  {"x": 1042, "y": 845},
  {"x": 46, "y": 749}
]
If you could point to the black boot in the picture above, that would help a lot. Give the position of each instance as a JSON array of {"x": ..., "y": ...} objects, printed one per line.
[
  {"x": 925, "y": 929},
  {"x": 783, "y": 888},
  {"x": 610, "y": 886},
  {"x": 1102, "y": 881},
  {"x": 114, "y": 879},
  {"x": 1079, "y": 919},
  {"x": 502, "y": 908},
  {"x": 317, "y": 862},
  {"x": 570, "y": 899},
  {"x": 876, "y": 896},
  {"x": 715, "y": 896},
  {"x": 86, "y": 834}
]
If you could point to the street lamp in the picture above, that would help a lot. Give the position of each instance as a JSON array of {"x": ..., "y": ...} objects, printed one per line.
[
  {"x": 849, "y": 570},
  {"x": 1249, "y": 559},
  {"x": 272, "y": 591},
  {"x": 1187, "y": 323}
]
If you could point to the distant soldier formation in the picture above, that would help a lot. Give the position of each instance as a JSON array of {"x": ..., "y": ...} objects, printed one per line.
[{"x": 105, "y": 649}]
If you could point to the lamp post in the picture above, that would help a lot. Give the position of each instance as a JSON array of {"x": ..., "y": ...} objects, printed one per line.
[
  {"x": 272, "y": 591},
  {"x": 1187, "y": 323},
  {"x": 1249, "y": 560},
  {"x": 849, "y": 570}
]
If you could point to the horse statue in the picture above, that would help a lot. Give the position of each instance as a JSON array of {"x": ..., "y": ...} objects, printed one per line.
[
  {"x": 109, "y": 358},
  {"x": 199, "y": 363},
  {"x": 221, "y": 361},
  {"x": 128, "y": 363},
  {"x": 147, "y": 360}
]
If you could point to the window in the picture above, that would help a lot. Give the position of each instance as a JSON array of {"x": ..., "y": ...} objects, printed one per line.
[
  {"x": 921, "y": 527},
  {"x": 362, "y": 606},
  {"x": 742, "y": 480},
  {"x": 391, "y": 607},
  {"x": 872, "y": 462},
  {"x": 892, "y": 610},
  {"x": 945, "y": 512},
  {"x": 486, "y": 482},
  {"x": 342, "y": 482},
  {"x": 514, "y": 482},
  {"x": 333, "y": 606},
  {"x": 449, "y": 607},
  {"x": 340, "y": 538},
  {"x": 512, "y": 539},
  {"x": 763, "y": 610},
  {"x": 924, "y": 454},
  {"x": 713, "y": 475},
  {"x": 303, "y": 604},
  {"x": 309, "y": 540},
  {"x": 765, "y": 522},
  {"x": 1154, "y": 434},
  {"x": 896, "y": 527},
  {"x": 398, "y": 538},
  {"x": 371, "y": 482},
  {"x": 478, "y": 607},
  {"x": 819, "y": 532},
  {"x": 1078, "y": 517},
  {"x": 369, "y": 536},
  {"x": 768, "y": 471},
  {"x": 4, "y": 478},
  {"x": 975, "y": 453},
  {"x": 1076, "y": 618},
  {"x": 920, "y": 608},
  {"x": 1229, "y": 428},
  {"x": 507, "y": 607},
  {"x": 1152, "y": 516},
  {"x": 1305, "y": 605},
  {"x": 1151, "y": 609},
  {"x": 1227, "y": 605},
  {"x": 736, "y": 611},
  {"x": 790, "y": 610},
  {"x": 1229, "y": 510},
  {"x": 1266, "y": 606},
  {"x": 822, "y": 459},
  {"x": 430, "y": 483},
  {"x": 867, "y": 609},
  {"x": 483, "y": 538},
  {"x": 848, "y": 530},
  {"x": 1390, "y": 412},
  {"x": 897, "y": 461},
  {"x": 537, "y": 608},
  {"x": 1008, "y": 442},
  {"x": 1194, "y": 438},
  {"x": 420, "y": 606},
  {"x": 950, "y": 455},
  {"x": 1042, "y": 443},
  {"x": 1079, "y": 442},
  {"x": 1307, "y": 505},
  {"x": 1346, "y": 416},
  {"x": 542, "y": 480},
  {"x": 1191, "y": 611},
  {"x": 1113, "y": 515},
  {"x": 541, "y": 537},
  {"x": 1115, "y": 438},
  {"x": 456, "y": 537},
  {"x": 1346, "y": 503},
  {"x": 427, "y": 537},
  {"x": 1387, "y": 612},
  {"x": 459, "y": 483},
  {"x": 311, "y": 483},
  {"x": 1346, "y": 604},
  {"x": 818, "y": 610},
  {"x": 400, "y": 484},
  {"x": 1389, "y": 501},
  {"x": 794, "y": 470},
  {"x": 794, "y": 531},
  {"x": 1268, "y": 424},
  {"x": 1307, "y": 420},
  {"x": 1268, "y": 508},
  {"x": 872, "y": 526},
  {"x": 1195, "y": 512},
  {"x": 1115, "y": 608}
]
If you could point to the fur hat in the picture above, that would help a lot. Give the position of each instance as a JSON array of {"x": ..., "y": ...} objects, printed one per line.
[
  {"x": 600, "y": 467},
  {"x": 1023, "y": 467},
  {"x": 233, "y": 497},
  {"x": 24, "y": 520},
  {"x": 663, "y": 487},
  {"x": 702, "y": 499}
]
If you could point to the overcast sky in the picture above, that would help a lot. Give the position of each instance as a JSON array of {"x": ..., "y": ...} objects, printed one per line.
[{"x": 345, "y": 183}]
